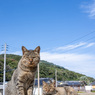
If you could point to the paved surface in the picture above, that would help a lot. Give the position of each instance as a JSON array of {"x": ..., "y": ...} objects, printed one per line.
[{"x": 89, "y": 93}]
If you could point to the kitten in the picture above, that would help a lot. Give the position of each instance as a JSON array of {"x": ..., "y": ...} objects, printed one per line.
[
  {"x": 50, "y": 89},
  {"x": 23, "y": 77},
  {"x": 70, "y": 90}
]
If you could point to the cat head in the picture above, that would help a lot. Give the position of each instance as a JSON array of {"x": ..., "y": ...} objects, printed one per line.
[
  {"x": 49, "y": 89},
  {"x": 70, "y": 90},
  {"x": 30, "y": 58}
]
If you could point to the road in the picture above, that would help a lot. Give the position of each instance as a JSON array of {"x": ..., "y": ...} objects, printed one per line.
[{"x": 85, "y": 93}]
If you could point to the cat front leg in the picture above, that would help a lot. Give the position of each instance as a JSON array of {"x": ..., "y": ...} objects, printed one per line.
[
  {"x": 20, "y": 88},
  {"x": 30, "y": 91}
]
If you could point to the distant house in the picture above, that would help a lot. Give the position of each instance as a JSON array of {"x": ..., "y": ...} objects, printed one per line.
[
  {"x": 71, "y": 83},
  {"x": 93, "y": 85},
  {"x": 77, "y": 85}
]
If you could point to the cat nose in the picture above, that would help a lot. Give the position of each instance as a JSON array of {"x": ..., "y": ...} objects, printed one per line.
[{"x": 31, "y": 59}]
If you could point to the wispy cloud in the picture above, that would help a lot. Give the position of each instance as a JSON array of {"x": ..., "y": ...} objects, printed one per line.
[
  {"x": 90, "y": 9},
  {"x": 90, "y": 44},
  {"x": 69, "y": 47},
  {"x": 74, "y": 46},
  {"x": 2, "y": 52}
]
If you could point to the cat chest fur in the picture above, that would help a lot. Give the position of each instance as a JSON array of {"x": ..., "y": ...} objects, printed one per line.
[{"x": 26, "y": 78}]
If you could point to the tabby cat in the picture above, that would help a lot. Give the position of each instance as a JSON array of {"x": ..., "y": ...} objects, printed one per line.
[
  {"x": 50, "y": 89},
  {"x": 23, "y": 77},
  {"x": 70, "y": 90}
]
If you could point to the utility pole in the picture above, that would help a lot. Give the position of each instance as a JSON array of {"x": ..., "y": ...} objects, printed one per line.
[
  {"x": 56, "y": 77},
  {"x": 38, "y": 82},
  {"x": 4, "y": 70}
]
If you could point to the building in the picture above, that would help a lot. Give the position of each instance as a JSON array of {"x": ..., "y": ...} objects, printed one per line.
[
  {"x": 77, "y": 85},
  {"x": 93, "y": 85}
]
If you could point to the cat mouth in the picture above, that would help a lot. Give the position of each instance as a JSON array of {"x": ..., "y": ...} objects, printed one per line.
[{"x": 32, "y": 64}]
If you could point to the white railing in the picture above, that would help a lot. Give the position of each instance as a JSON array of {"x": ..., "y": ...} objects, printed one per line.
[{"x": 35, "y": 91}]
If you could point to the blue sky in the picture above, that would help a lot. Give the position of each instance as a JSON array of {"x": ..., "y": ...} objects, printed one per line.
[{"x": 64, "y": 29}]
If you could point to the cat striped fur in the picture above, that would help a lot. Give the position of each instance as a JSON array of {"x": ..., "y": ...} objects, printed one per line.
[{"x": 22, "y": 79}]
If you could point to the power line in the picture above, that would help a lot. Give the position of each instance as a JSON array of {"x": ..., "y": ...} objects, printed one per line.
[
  {"x": 80, "y": 46},
  {"x": 91, "y": 38},
  {"x": 80, "y": 37}
]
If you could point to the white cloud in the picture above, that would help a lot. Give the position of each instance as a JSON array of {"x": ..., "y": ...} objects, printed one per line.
[
  {"x": 81, "y": 63},
  {"x": 69, "y": 47},
  {"x": 90, "y": 44},
  {"x": 2, "y": 52},
  {"x": 90, "y": 9},
  {"x": 74, "y": 46}
]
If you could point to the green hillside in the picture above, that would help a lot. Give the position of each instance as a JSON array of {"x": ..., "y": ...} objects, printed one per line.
[{"x": 47, "y": 69}]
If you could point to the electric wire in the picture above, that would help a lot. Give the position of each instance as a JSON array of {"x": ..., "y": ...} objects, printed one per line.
[{"x": 81, "y": 37}]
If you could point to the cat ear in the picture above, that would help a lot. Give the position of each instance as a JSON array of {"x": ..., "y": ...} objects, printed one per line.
[
  {"x": 24, "y": 49},
  {"x": 54, "y": 83},
  {"x": 50, "y": 81},
  {"x": 44, "y": 83},
  {"x": 37, "y": 49}
]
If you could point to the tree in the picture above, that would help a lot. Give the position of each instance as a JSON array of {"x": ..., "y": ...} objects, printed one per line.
[{"x": 84, "y": 79}]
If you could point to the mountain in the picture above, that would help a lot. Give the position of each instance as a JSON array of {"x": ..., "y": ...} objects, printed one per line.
[{"x": 47, "y": 69}]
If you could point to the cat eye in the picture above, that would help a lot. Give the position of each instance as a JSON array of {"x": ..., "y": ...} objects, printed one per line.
[
  {"x": 26, "y": 57},
  {"x": 33, "y": 57},
  {"x": 46, "y": 89}
]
